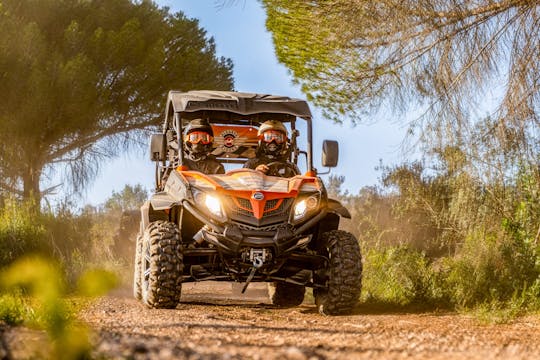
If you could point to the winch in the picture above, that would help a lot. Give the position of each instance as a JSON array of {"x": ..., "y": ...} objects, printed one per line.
[{"x": 257, "y": 257}]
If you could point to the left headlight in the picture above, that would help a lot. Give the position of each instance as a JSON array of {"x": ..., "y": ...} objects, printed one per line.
[
  {"x": 305, "y": 206},
  {"x": 213, "y": 204}
]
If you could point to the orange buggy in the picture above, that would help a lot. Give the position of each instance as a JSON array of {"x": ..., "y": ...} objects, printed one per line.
[{"x": 243, "y": 226}]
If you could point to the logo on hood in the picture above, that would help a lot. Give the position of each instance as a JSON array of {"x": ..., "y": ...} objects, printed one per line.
[{"x": 257, "y": 195}]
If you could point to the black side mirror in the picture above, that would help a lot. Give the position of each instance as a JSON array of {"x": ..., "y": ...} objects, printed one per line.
[
  {"x": 157, "y": 147},
  {"x": 330, "y": 153}
]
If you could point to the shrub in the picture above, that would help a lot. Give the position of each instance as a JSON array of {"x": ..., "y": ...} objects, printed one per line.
[
  {"x": 42, "y": 283},
  {"x": 490, "y": 268},
  {"x": 77, "y": 241},
  {"x": 13, "y": 309},
  {"x": 21, "y": 232},
  {"x": 399, "y": 276}
]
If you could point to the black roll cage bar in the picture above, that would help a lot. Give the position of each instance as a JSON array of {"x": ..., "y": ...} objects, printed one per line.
[{"x": 175, "y": 120}]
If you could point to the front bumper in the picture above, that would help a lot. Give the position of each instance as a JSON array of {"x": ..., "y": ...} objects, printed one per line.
[{"x": 230, "y": 237}]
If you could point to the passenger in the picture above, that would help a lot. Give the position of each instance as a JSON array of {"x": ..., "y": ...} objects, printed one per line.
[
  {"x": 272, "y": 156},
  {"x": 198, "y": 141}
]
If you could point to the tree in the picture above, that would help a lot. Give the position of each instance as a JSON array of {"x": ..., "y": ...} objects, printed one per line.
[
  {"x": 130, "y": 198},
  {"x": 441, "y": 56},
  {"x": 81, "y": 80},
  {"x": 359, "y": 51},
  {"x": 334, "y": 187},
  {"x": 449, "y": 61}
]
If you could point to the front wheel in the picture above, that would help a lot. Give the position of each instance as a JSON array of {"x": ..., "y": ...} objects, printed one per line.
[
  {"x": 162, "y": 264},
  {"x": 343, "y": 276}
]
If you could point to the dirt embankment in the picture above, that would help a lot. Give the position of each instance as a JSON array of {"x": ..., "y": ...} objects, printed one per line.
[{"x": 215, "y": 321}]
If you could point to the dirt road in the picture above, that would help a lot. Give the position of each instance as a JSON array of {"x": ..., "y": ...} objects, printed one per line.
[{"x": 214, "y": 322}]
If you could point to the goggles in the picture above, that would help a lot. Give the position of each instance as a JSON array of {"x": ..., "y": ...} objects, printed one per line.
[
  {"x": 273, "y": 135},
  {"x": 196, "y": 137}
]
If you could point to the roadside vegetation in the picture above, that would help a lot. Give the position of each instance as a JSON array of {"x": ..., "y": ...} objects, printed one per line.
[
  {"x": 460, "y": 227},
  {"x": 53, "y": 262},
  {"x": 438, "y": 240}
]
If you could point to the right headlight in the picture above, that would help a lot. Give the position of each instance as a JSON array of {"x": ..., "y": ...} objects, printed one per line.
[{"x": 305, "y": 206}]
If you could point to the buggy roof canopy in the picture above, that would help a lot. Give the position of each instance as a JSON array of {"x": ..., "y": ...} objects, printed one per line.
[{"x": 237, "y": 102}]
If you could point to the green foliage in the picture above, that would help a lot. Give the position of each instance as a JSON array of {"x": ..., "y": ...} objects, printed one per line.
[
  {"x": 357, "y": 57},
  {"x": 96, "y": 282},
  {"x": 80, "y": 80},
  {"x": 13, "y": 309},
  {"x": 130, "y": 198},
  {"x": 398, "y": 276},
  {"x": 304, "y": 36},
  {"x": 20, "y": 232},
  {"x": 489, "y": 269},
  {"x": 442, "y": 238},
  {"x": 78, "y": 242},
  {"x": 42, "y": 283}
]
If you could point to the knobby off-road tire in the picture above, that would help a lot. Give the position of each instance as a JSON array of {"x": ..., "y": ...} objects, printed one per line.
[
  {"x": 287, "y": 295},
  {"x": 137, "y": 291},
  {"x": 162, "y": 265},
  {"x": 344, "y": 274}
]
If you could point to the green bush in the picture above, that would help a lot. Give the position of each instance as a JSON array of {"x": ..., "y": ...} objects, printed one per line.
[
  {"x": 78, "y": 241},
  {"x": 399, "y": 276},
  {"x": 14, "y": 310},
  {"x": 34, "y": 293},
  {"x": 21, "y": 232},
  {"x": 490, "y": 269}
]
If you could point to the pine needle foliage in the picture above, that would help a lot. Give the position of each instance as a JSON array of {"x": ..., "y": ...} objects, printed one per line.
[{"x": 82, "y": 80}]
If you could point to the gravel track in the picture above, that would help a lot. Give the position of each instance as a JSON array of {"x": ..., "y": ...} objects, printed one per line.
[{"x": 214, "y": 321}]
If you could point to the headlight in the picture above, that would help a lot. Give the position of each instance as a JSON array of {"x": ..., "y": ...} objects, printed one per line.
[
  {"x": 304, "y": 206},
  {"x": 210, "y": 201},
  {"x": 300, "y": 209},
  {"x": 213, "y": 205}
]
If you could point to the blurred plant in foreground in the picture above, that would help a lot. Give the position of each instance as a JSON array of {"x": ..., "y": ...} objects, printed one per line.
[{"x": 34, "y": 294}]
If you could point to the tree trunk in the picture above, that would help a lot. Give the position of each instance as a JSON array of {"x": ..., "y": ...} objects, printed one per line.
[{"x": 31, "y": 177}]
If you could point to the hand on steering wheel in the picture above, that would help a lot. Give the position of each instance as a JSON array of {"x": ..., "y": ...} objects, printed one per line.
[
  {"x": 273, "y": 168},
  {"x": 277, "y": 168}
]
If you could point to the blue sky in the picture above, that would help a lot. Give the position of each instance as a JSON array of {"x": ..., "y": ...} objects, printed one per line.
[{"x": 240, "y": 34}]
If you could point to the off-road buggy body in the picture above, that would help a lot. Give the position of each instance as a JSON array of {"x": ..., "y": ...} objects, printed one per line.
[{"x": 243, "y": 226}]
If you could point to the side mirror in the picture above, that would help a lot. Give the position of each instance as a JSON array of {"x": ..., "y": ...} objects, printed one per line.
[
  {"x": 157, "y": 147},
  {"x": 330, "y": 153}
]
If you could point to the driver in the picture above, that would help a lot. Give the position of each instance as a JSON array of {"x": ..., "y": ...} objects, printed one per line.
[
  {"x": 273, "y": 149},
  {"x": 198, "y": 141}
]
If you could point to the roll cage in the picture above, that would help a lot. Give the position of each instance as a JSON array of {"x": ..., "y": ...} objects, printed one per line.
[{"x": 238, "y": 111}]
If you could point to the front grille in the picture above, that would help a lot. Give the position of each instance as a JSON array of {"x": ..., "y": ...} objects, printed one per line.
[
  {"x": 242, "y": 207},
  {"x": 244, "y": 203},
  {"x": 270, "y": 204}
]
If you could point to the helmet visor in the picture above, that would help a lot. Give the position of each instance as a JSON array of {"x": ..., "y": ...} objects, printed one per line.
[
  {"x": 273, "y": 135},
  {"x": 199, "y": 137}
]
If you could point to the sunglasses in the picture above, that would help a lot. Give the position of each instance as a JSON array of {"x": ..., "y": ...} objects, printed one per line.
[
  {"x": 273, "y": 135},
  {"x": 199, "y": 137}
]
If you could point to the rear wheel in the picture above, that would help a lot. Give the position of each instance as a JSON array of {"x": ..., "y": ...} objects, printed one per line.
[
  {"x": 161, "y": 267},
  {"x": 288, "y": 295},
  {"x": 137, "y": 291},
  {"x": 343, "y": 276}
]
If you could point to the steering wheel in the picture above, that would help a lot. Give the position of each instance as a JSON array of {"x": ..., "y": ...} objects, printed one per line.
[{"x": 280, "y": 168}]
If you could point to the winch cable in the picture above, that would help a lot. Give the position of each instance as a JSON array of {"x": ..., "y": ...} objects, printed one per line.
[{"x": 257, "y": 263}]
